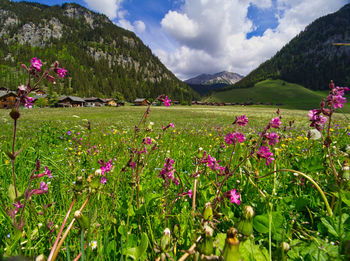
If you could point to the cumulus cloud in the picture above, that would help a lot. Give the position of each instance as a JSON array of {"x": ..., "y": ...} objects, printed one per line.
[
  {"x": 211, "y": 34},
  {"x": 138, "y": 26},
  {"x": 107, "y": 7}
]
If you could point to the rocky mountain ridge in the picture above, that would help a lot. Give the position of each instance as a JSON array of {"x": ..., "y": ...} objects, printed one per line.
[
  {"x": 102, "y": 59},
  {"x": 217, "y": 78}
]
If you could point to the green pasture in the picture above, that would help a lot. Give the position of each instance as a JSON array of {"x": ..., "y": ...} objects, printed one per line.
[{"x": 290, "y": 95}]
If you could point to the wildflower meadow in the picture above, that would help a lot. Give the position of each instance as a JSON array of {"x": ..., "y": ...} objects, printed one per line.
[{"x": 173, "y": 182}]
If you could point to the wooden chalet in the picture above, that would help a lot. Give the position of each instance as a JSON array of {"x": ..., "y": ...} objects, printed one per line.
[
  {"x": 70, "y": 101},
  {"x": 141, "y": 102},
  {"x": 111, "y": 102},
  {"x": 7, "y": 99},
  {"x": 94, "y": 102}
]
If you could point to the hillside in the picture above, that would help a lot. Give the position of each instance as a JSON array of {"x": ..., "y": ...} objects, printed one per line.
[
  {"x": 287, "y": 95},
  {"x": 102, "y": 59},
  {"x": 310, "y": 59}
]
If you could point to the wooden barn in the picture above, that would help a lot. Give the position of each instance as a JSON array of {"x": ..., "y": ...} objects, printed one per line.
[
  {"x": 141, "y": 102},
  {"x": 7, "y": 99},
  {"x": 70, "y": 101},
  {"x": 94, "y": 102}
]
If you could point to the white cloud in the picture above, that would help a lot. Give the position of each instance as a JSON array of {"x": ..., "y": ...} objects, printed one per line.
[
  {"x": 107, "y": 7},
  {"x": 140, "y": 26},
  {"x": 211, "y": 35}
]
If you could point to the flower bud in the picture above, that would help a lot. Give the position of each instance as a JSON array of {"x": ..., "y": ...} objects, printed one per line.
[
  {"x": 40, "y": 257},
  {"x": 165, "y": 240},
  {"x": 208, "y": 212},
  {"x": 82, "y": 220},
  {"x": 231, "y": 249},
  {"x": 345, "y": 171},
  {"x": 15, "y": 114},
  {"x": 206, "y": 245},
  {"x": 285, "y": 246},
  {"x": 245, "y": 225}
]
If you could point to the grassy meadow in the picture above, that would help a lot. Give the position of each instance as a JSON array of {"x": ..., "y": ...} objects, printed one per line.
[
  {"x": 290, "y": 95},
  {"x": 299, "y": 212}
]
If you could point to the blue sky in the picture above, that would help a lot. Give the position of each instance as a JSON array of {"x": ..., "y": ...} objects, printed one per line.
[{"x": 207, "y": 36}]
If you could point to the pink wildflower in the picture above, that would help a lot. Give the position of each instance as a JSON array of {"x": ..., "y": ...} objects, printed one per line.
[
  {"x": 189, "y": 193},
  {"x": 167, "y": 173},
  {"x": 103, "y": 180},
  {"x": 28, "y": 102},
  {"x": 172, "y": 125},
  {"x": 241, "y": 120},
  {"x": 275, "y": 123},
  {"x": 61, "y": 72},
  {"x": 48, "y": 172},
  {"x": 335, "y": 98},
  {"x": 36, "y": 63},
  {"x": 105, "y": 167},
  {"x": 272, "y": 137},
  {"x": 167, "y": 101},
  {"x": 264, "y": 152},
  {"x": 317, "y": 120},
  {"x": 234, "y": 197},
  {"x": 147, "y": 140},
  {"x": 17, "y": 205},
  {"x": 43, "y": 186},
  {"x": 234, "y": 137}
]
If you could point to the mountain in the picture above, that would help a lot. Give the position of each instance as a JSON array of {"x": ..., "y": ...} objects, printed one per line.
[
  {"x": 206, "y": 83},
  {"x": 310, "y": 59},
  {"x": 102, "y": 59},
  {"x": 217, "y": 78}
]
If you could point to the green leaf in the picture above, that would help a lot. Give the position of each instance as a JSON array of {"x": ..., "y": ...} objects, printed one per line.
[
  {"x": 136, "y": 252},
  {"x": 12, "y": 193},
  {"x": 261, "y": 223},
  {"x": 248, "y": 251},
  {"x": 330, "y": 228}
]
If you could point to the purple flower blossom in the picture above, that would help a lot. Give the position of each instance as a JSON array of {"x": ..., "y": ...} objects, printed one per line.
[
  {"x": 272, "y": 137},
  {"x": 61, "y": 72},
  {"x": 335, "y": 98},
  {"x": 241, "y": 120},
  {"x": 233, "y": 196},
  {"x": 48, "y": 172},
  {"x": 43, "y": 186},
  {"x": 103, "y": 180},
  {"x": 28, "y": 102},
  {"x": 212, "y": 163},
  {"x": 275, "y": 123},
  {"x": 105, "y": 167},
  {"x": 317, "y": 120},
  {"x": 17, "y": 205},
  {"x": 147, "y": 140},
  {"x": 167, "y": 101},
  {"x": 189, "y": 193},
  {"x": 234, "y": 137},
  {"x": 36, "y": 63},
  {"x": 167, "y": 173},
  {"x": 264, "y": 152}
]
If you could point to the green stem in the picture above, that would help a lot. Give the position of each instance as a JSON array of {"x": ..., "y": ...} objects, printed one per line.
[
  {"x": 329, "y": 210},
  {"x": 270, "y": 234}
]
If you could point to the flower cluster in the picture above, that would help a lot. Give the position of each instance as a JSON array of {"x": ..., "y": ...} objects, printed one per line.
[
  {"x": 264, "y": 152},
  {"x": 105, "y": 168},
  {"x": 316, "y": 118},
  {"x": 234, "y": 138},
  {"x": 241, "y": 121},
  {"x": 272, "y": 138},
  {"x": 335, "y": 98},
  {"x": 168, "y": 172},
  {"x": 212, "y": 163}
]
